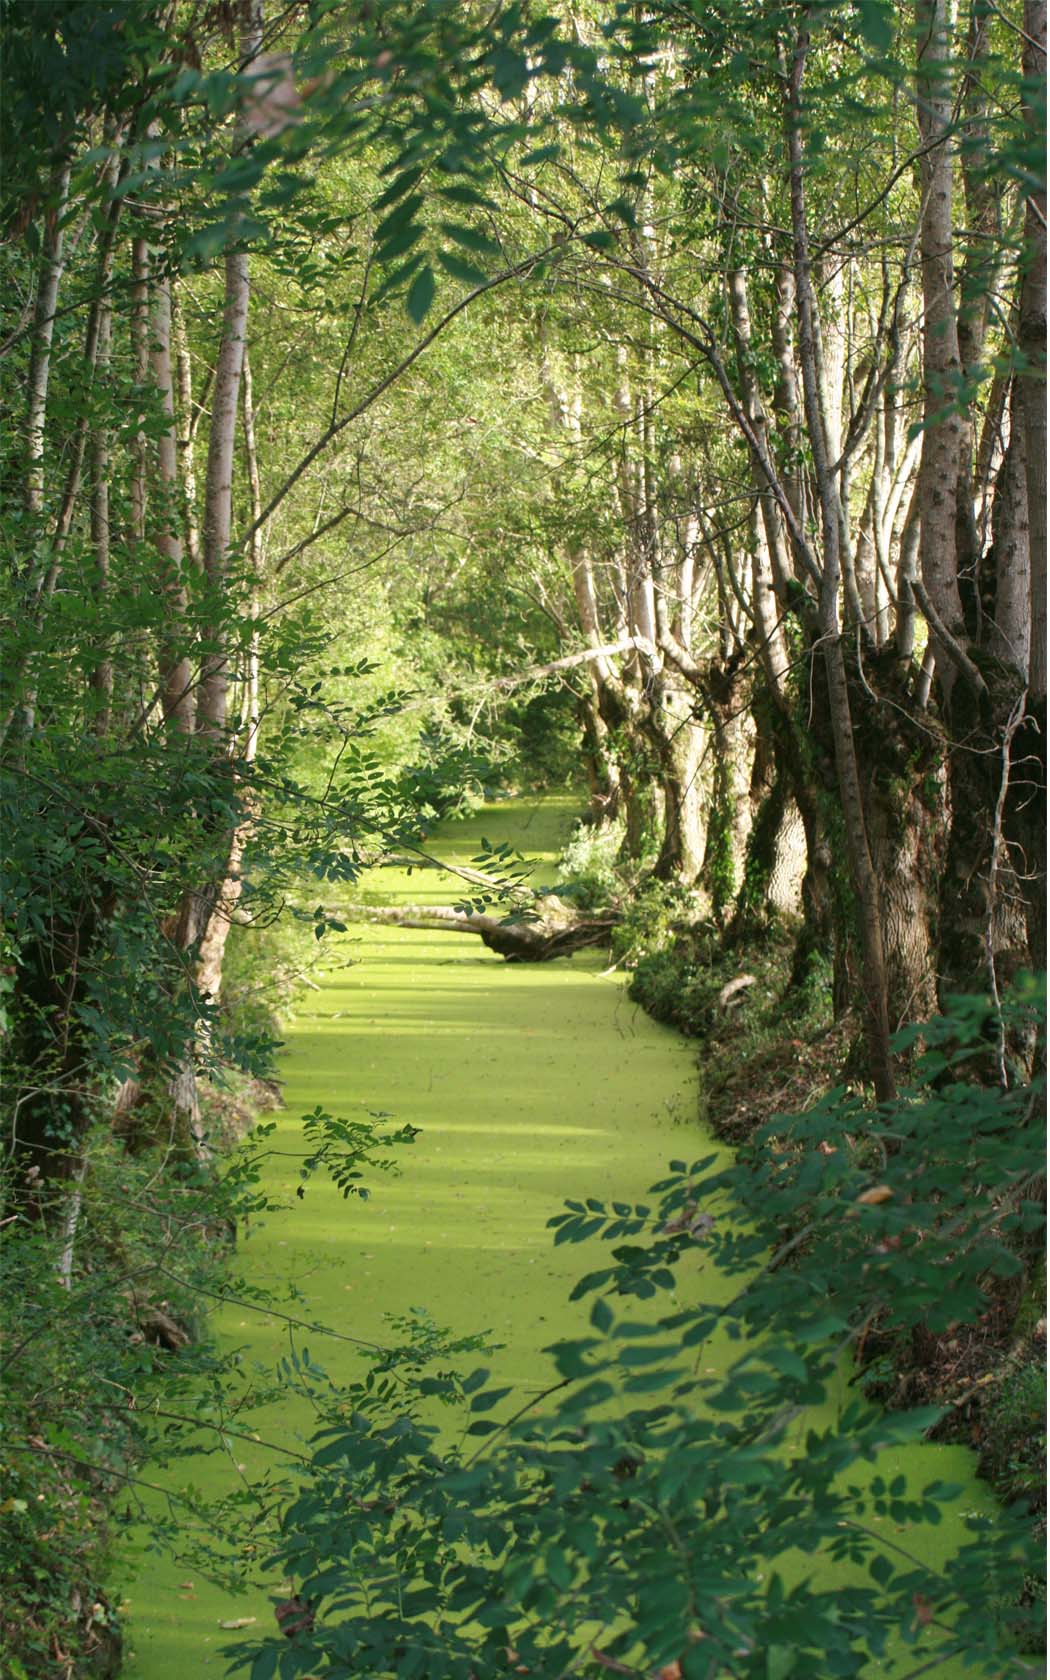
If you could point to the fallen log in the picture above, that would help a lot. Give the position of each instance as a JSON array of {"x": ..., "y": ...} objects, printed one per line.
[{"x": 549, "y": 931}]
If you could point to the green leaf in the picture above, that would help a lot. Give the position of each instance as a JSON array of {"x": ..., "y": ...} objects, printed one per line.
[
  {"x": 458, "y": 193},
  {"x": 400, "y": 242},
  {"x": 601, "y": 1314},
  {"x": 781, "y": 1661},
  {"x": 401, "y": 184},
  {"x": 421, "y": 295},
  {"x": 542, "y": 154},
  {"x": 470, "y": 238},
  {"x": 488, "y": 1398},
  {"x": 460, "y": 269},
  {"x": 510, "y": 71},
  {"x": 559, "y": 1569},
  {"x": 265, "y": 1665},
  {"x": 876, "y": 24},
  {"x": 402, "y": 213}
]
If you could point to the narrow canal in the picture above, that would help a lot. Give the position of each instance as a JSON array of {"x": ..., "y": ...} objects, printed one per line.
[{"x": 529, "y": 1084}]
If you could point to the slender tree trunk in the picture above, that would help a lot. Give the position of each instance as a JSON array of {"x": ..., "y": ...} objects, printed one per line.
[
  {"x": 777, "y": 573},
  {"x": 212, "y": 949},
  {"x": 1032, "y": 337},
  {"x": 1029, "y": 752},
  {"x": 175, "y": 669},
  {"x": 944, "y": 428},
  {"x": 732, "y": 748},
  {"x": 43, "y": 333},
  {"x": 140, "y": 339},
  {"x": 995, "y": 730},
  {"x": 203, "y": 921},
  {"x": 218, "y": 493},
  {"x": 773, "y": 583},
  {"x": 45, "y": 569},
  {"x": 186, "y": 430},
  {"x": 176, "y": 678},
  {"x": 102, "y": 676},
  {"x": 865, "y": 881},
  {"x": 100, "y": 310},
  {"x": 1008, "y": 633}
]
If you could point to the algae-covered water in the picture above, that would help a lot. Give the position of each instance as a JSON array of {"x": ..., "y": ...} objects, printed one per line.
[{"x": 529, "y": 1084}]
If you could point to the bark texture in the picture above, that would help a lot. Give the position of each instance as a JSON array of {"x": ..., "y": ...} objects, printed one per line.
[{"x": 943, "y": 432}]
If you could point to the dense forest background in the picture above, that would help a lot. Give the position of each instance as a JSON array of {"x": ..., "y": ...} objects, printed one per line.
[{"x": 411, "y": 402}]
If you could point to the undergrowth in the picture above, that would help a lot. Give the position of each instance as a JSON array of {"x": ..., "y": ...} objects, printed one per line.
[
  {"x": 104, "y": 1302},
  {"x": 588, "y": 875},
  {"x": 102, "y": 1319}
]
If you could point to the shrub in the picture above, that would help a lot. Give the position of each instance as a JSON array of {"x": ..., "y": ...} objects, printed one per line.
[
  {"x": 587, "y": 872},
  {"x": 659, "y": 916},
  {"x": 94, "y": 1306}
]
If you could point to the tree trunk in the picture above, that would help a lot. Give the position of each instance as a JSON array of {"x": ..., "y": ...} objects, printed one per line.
[
  {"x": 176, "y": 683},
  {"x": 99, "y": 467},
  {"x": 212, "y": 947},
  {"x": 679, "y": 750},
  {"x": 42, "y": 575},
  {"x": 43, "y": 333},
  {"x": 186, "y": 431},
  {"x": 603, "y": 772},
  {"x": 140, "y": 342},
  {"x": 904, "y": 798},
  {"x": 865, "y": 881},
  {"x": 555, "y": 932},
  {"x": 732, "y": 747},
  {"x": 1007, "y": 630},
  {"x": 943, "y": 432},
  {"x": 642, "y": 794},
  {"x": 102, "y": 675},
  {"x": 775, "y": 857},
  {"x": 1028, "y": 822},
  {"x": 994, "y": 906},
  {"x": 218, "y": 492}
]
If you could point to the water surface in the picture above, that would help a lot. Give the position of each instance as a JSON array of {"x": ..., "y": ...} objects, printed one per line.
[{"x": 529, "y": 1082}]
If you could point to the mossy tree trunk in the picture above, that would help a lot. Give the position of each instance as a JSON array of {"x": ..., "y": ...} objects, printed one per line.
[
  {"x": 679, "y": 742},
  {"x": 603, "y": 773},
  {"x": 903, "y": 785},
  {"x": 732, "y": 747}
]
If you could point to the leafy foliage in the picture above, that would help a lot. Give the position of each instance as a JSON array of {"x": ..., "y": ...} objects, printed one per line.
[{"x": 345, "y": 1150}]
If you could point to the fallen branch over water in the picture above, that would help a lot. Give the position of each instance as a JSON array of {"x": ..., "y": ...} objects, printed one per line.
[{"x": 551, "y": 930}]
